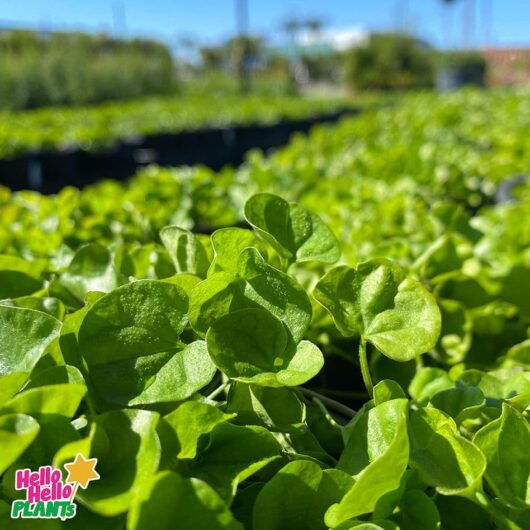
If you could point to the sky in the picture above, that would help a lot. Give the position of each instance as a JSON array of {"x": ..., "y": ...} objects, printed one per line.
[{"x": 492, "y": 22}]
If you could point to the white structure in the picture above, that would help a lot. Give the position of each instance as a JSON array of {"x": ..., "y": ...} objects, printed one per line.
[{"x": 338, "y": 39}]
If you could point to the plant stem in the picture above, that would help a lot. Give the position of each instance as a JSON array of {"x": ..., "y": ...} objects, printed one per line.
[
  {"x": 496, "y": 514},
  {"x": 286, "y": 263},
  {"x": 365, "y": 369},
  {"x": 218, "y": 390},
  {"x": 330, "y": 403},
  {"x": 91, "y": 407}
]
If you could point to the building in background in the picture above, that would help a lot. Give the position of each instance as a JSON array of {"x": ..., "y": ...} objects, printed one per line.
[
  {"x": 507, "y": 66},
  {"x": 333, "y": 39}
]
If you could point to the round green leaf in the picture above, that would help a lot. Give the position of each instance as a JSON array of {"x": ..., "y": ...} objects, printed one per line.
[
  {"x": 130, "y": 340},
  {"x": 253, "y": 346},
  {"x": 17, "y": 432},
  {"x": 505, "y": 444},
  {"x": 214, "y": 297},
  {"x": 397, "y": 315},
  {"x": 163, "y": 377},
  {"x": 128, "y": 458},
  {"x": 18, "y": 276},
  {"x": 137, "y": 319},
  {"x": 444, "y": 459},
  {"x": 256, "y": 285},
  {"x": 275, "y": 291},
  {"x": 24, "y": 336},
  {"x": 169, "y": 501},
  {"x": 187, "y": 424},
  {"x": 186, "y": 250},
  {"x": 377, "y": 455},
  {"x": 91, "y": 269},
  {"x": 234, "y": 454},
  {"x": 228, "y": 243},
  {"x": 297, "y": 497},
  {"x": 293, "y": 231}
]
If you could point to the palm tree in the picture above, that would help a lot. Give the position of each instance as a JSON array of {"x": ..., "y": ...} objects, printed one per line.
[
  {"x": 291, "y": 26},
  {"x": 314, "y": 25}
]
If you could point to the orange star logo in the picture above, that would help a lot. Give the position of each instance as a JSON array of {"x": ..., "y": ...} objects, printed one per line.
[{"x": 82, "y": 471}]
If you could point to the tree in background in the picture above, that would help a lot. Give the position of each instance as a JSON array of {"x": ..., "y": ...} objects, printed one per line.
[{"x": 389, "y": 61}]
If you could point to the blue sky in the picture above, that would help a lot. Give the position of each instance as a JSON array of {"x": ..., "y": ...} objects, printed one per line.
[{"x": 212, "y": 20}]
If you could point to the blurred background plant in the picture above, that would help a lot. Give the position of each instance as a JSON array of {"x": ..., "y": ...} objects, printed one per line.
[
  {"x": 390, "y": 61},
  {"x": 39, "y": 69}
]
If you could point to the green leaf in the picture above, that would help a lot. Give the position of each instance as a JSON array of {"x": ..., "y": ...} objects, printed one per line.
[
  {"x": 52, "y": 306},
  {"x": 276, "y": 292},
  {"x": 24, "y": 336},
  {"x": 228, "y": 243},
  {"x": 387, "y": 390},
  {"x": 149, "y": 261},
  {"x": 234, "y": 454},
  {"x": 19, "y": 277},
  {"x": 189, "y": 423},
  {"x": 257, "y": 285},
  {"x": 444, "y": 459},
  {"x": 417, "y": 512},
  {"x": 459, "y": 401},
  {"x": 130, "y": 339},
  {"x": 91, "y": 269},
  {"x": 428, "y": 382},
  {"x": 141, "y": 318},
  {"x": 57, "y": 390},
  {"x": 505, "y": 444},
  {"x": 10, "y": 384},
  {"x": 397, "y": 315},
  {"x": 377, "y": 455},
  {"x": 56, "y": 375},
  {"x": 128, "y": 459},
  {"x": 297, "y": 497},
  {"x": 278, "y": 409},
  {"x": 17, "y": 432},
  {"x": 186, "y": 250},
  {"x": 168, "y": 500},
  {"x": 213, "y": 298},
  {"x": 520, "y": 353},
  {"x": 253, "y": 346},
  {"x": 487, "y": 383},
  {"x": 185, "y": 281},
  {"x": 294, "y": 232},
  {"x": 164, "y": 377},
  {"x": 55, "y": 432}
]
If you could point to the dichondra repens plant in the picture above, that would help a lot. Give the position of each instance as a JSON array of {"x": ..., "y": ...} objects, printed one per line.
[{"x": 193, "y": 384}]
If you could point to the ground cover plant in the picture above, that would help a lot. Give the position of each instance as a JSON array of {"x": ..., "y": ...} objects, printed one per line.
[
  {"x": 357, "y": 358},
  {"x": 196, "y": 376},
  {"x": 100, "y": 126}
]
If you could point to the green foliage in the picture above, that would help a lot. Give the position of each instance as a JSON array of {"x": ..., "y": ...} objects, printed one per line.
[
  {"x": 467, "y": 61},
  {"x": 99, "y": 127},
  {"x": 223, "y": 367},
  {"x": 295, "y": 233},
  {"x": 389, "y": 61},
  {"x": 76, "y": 68},
  {"x": 377, "y": 302}
]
